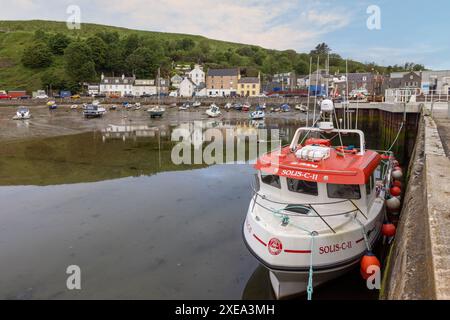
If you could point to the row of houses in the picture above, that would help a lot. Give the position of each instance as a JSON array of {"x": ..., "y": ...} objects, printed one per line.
[
  {"x": 190, "y": 82},
  {"x": 187, "y": 83},
  {"x": 426, "y": 82}
]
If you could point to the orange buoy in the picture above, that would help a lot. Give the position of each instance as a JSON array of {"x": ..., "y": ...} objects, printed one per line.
[
  {"x": 388, "y": 229},
  {"x": 397, "y": 184},
  {"x": 368, "y": 260},
  {"x": 396, "y": 191}
]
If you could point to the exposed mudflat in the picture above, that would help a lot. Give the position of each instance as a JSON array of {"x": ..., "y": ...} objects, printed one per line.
[{"x": 64, "y": 121}]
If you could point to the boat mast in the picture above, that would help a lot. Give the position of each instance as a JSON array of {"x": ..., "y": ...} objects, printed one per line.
[
  {"x": 315, "y": 91},
  {"x": 309, "y": 91},
  {"x": 158, "y": 89}
]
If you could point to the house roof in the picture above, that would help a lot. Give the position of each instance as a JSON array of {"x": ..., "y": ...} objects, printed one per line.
[
  {"x": 189, "y": 79},
  {"x": 223, "y": 72},
  {"x": 249, "y": 80},
  {"x": 144, "y": 82},
  {"x": 118, "y": 80}
]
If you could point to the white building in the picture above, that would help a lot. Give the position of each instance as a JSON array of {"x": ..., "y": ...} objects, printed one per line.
[
  {"x": 187, "y": 88},
  {"x": 436, "y": 82},
  {"x": 118, "y": 86},
  {"x": 144, "y": 87},
  {"x": 93, "y": 89},
  {"x": 176, "y": 80},
  {"x": 197, "y": 75}
]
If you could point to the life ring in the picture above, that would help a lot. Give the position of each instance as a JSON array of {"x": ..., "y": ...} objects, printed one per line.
[{"x": 343, "y": 150}]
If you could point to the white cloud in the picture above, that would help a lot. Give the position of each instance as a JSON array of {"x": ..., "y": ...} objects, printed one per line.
[{"x": 277, "y": 24}]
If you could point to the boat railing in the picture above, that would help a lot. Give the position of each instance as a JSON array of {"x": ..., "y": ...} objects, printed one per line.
[{"x": 312, "y": 207}]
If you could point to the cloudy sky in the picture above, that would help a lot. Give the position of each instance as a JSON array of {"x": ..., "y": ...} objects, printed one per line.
[{"x": 410, "y": 30}]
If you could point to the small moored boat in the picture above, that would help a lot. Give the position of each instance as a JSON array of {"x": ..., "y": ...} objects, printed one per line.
[
  {"x": 156, "y": 112},
  {"x": 196, "y": 104},
  {"x": 257, "y": 115},
  {"x": 213, "y": 111},
  {"x": 22, "y": 113},
  {"x": 93, "y": 111}
]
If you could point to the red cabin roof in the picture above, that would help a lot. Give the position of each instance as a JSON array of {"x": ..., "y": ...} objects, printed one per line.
[{"x": 337, "y": 169}]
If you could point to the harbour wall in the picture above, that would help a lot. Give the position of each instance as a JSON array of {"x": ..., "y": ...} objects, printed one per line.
[{"x": 418, "y": 264}]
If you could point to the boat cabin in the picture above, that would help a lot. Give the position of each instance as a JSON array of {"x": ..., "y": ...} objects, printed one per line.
[{"x": 316, "y": 173}]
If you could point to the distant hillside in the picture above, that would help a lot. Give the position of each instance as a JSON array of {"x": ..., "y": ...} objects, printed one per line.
[{"x": 120, "y": 50}]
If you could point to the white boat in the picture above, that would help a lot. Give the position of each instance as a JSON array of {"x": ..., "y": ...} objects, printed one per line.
[
  {"x": 257, "y": 115},
  {"x": 228, "y": 106},
  {"x": 156, "y": 111},
  {"x": 301, "y": 108},
  {"x": 22, "y": 113},
  {"x": 96, "y": 103},
  {"x": 93, "y": 111},
  {"x": 74, "y": 107},
  {"x": 196, "y": 104},
  {"x": 213, "y": 111},
  {"x": 184, "y": 107},
  {"x": 316, "y": 209}
]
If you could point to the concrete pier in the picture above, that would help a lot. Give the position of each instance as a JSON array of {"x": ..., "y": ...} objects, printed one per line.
[{"x": 419, "y": 263}]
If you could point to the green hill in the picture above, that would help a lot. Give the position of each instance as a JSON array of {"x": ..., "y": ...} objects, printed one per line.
[{"x": 120, "y": 50}]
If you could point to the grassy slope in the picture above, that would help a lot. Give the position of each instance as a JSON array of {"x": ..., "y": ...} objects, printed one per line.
[{"x": 15, "y": 35}]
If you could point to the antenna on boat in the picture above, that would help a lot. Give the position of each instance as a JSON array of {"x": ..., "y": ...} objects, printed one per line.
[
  {"x": 315, "y": 91},
  {"x": 309, "y": 90},
  {"x": 347, "y": 102}
]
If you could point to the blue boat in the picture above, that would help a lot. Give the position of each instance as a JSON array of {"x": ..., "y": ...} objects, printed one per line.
[{"x": 285, "y": 108}]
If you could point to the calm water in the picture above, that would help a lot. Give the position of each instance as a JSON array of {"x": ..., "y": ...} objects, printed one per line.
[{"x": 138, "y": 226}]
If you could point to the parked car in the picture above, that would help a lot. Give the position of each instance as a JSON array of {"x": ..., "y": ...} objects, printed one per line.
[
  {"x": 4, "y": 96},
  {"x": 75, "y": 96},
  {"x": 42, "y": 96},
  {"x": 114, "y": 96},
  {"x": 146, "y": 95},
  {"x": 128, "y": 95},
  {"x": 24, "y": 97},
  {"x": 99, "y": 95}
]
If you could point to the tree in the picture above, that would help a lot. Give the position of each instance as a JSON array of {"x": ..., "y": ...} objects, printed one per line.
[
  {"x": 37, "y": 55},
  {"x": 99, "y": 51},
  {"x": 144, "y": 61},
  {"x": 80, "y": 66},
  {"x": 54, "y": 80},
  {"x": 58, "y": 43},
  {"x": 301, "y": 67},
  {"x": 321, "y": 50},
  {"x": 130, "y": 44}
]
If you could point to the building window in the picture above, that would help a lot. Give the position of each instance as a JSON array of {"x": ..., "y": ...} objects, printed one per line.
[
  {"x": 253, "y": 93},
  {"x": 254, "y": 86}
]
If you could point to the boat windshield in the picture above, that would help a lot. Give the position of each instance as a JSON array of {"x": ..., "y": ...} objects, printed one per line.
[{"x": 301, "y": 186}]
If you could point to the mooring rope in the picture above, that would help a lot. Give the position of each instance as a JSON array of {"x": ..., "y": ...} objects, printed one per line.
[{"x": 396, "y": 138}]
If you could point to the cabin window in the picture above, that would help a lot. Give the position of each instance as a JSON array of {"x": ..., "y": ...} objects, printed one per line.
[
  {"x": 344, "y": 191},
  {"x": 271, "y": 180},
  {"x": 302, "y": 186}
]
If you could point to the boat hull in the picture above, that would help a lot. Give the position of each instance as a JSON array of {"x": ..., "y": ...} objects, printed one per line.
[
  {"x": 333, "y": 254},
  {"x": 287, "y": 284}
]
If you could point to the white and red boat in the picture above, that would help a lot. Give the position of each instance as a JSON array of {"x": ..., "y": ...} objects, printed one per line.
[{"x": 316, "y": 209}]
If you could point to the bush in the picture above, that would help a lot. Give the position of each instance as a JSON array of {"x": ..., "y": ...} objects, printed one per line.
[{"x": 37, "y": 55}]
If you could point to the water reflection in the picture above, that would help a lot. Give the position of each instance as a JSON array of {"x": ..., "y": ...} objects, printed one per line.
[{"x": 138, "y": 225}]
